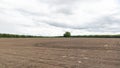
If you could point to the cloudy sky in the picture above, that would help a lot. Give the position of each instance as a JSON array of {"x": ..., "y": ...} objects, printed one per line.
[{"x": 54, "y": 17}]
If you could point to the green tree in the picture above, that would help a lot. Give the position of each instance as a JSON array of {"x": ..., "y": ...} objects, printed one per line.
[{"x": 67, "y": 34}]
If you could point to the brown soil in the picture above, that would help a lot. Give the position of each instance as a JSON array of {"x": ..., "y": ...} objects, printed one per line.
[{"x": 60, "y": 53}]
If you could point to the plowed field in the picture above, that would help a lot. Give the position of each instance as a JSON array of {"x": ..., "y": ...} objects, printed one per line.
[{"x": 59, "y": 53}]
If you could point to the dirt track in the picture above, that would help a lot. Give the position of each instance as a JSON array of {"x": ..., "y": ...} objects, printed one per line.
[{"x": 60, "y": 53}]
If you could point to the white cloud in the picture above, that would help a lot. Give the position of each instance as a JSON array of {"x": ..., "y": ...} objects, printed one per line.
[{"x": 54, "y": 17}]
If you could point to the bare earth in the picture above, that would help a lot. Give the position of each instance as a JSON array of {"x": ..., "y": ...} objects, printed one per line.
[{"x": 60, "y": 53}]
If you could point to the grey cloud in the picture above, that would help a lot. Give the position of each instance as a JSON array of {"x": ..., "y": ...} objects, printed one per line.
[
  {"x": 103, "y": 24},
  {"x": 30, "y": 13},
  {"x": 59, "y": 2},
  {"x": 25, "y": 25},
  {"x": 62, "y": 6},
  {"x": 65, "y": 11},
  {"x": 58, "y": 24}
]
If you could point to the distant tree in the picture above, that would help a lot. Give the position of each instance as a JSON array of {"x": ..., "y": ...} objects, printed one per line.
[{"x": 67, "y": 34}]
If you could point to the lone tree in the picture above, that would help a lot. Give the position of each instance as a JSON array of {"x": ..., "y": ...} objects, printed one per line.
[{"x": 67, "y": 34}]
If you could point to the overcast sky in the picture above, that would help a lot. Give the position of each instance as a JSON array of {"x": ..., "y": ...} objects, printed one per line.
[{"x": 54, "y": 17}]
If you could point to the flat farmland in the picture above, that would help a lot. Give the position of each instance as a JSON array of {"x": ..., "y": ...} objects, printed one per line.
[{"x": 59, "y": 53}]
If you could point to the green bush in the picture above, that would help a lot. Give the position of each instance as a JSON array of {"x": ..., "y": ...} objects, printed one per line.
[{"x": 67, "y": 34}]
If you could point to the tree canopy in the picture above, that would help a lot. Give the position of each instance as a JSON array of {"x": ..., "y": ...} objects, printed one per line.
[{"x": 67, "y": 34}]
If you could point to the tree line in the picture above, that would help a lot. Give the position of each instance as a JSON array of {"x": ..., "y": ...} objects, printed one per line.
[
  {"x": 66, "y": 35},
  {"x": 16, "y": 36}
]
